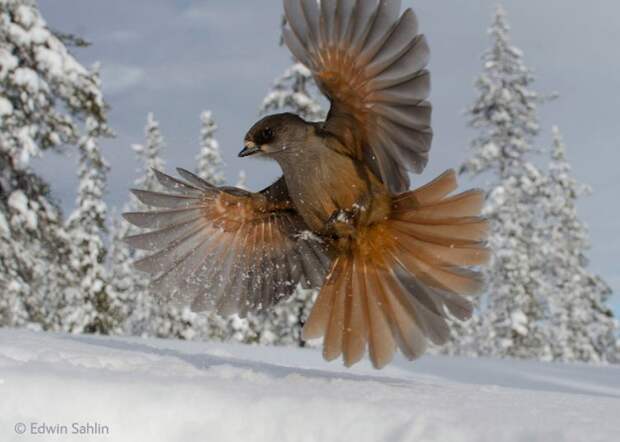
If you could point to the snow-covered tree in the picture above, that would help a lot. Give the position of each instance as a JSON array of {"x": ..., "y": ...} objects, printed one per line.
[
  {"x": 294, "y": 91},
  {"x": 130, "y": 284},
  {"x": 97, "y": 310},
  {"x": 126, "y": 282},
  {"x": 504, "y": 114},
  {"x": 583, "y": 327},
  {"x": 45, "y": 95},
  {"x": 150, "y": 156},
  {"x": 513, "y": 322},
  {"x": 209, "y": 160},
  {"x": 146, "y": 315}
]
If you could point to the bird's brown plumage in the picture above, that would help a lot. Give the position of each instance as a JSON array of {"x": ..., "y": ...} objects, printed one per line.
[{"x": 391, "y": 264}]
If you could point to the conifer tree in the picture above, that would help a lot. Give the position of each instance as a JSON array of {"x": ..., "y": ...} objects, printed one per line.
[
  {"x": 45, "y": 95},
  {"x": 294, "y": 91},
  {"x": 209, "y": 159},
  {"x": 505, "y": 117},
  {"x": 582, "y": 326},
  {"x": 147, "y": 316},
  {"x": 131, "y": 284},
  {"x": 96, "y": 310}
]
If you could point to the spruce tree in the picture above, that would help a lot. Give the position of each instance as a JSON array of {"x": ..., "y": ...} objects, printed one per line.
[
  {"x": 147, "y": 316},
  {"x": 97, "y": 310},
  {"x": 45, "y": 95},
  {"x": 504, "y": 114},
  {"x": 582, "y": 326},
  {"x": 294, "y": 91},
  {"x": 209, "y": 159},
  {"x": 130, "y": 284}
]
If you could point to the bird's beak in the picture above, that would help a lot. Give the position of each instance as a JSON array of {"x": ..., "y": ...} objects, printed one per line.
[{"x": 250, "y": 148}]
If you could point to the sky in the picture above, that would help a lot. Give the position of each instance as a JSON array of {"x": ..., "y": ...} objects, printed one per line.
[{"x": 178, "y": 58}]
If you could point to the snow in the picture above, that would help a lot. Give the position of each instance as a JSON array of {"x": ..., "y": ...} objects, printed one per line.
[
  {"x": 5, "y": 230},
  {"x": 19, "y": 203},
  {"x": 295, "y": 90},
  {"x": 50, "y": 61},
  {"x": 159, "y": 390},
  {"x": 6, "y": 108},
  {"x": 27, "y": 78},
  {"x": 25, "y": 16},
  {"x": 8, "y": 62},
  {"x": 308, "y": 235}
]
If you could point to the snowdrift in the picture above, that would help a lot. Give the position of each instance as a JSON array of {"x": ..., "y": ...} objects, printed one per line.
[{"x": 117, "y": 389}]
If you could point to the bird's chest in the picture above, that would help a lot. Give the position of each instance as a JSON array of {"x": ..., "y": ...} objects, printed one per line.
[{"x": 324, "y": 184}]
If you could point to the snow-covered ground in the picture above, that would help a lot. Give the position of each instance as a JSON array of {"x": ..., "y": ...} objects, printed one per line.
[{"x": 153, "y": 390}]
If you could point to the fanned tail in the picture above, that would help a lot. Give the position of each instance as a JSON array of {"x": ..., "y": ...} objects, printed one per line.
[{"x": 401, "y": 278}]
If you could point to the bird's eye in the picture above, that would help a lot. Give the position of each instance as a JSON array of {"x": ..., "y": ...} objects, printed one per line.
[{"x": 267, "y": 134}]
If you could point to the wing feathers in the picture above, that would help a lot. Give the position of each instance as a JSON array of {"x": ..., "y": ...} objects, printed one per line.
[
  {"x": 165, "y": 201},
  {"x": 396, "y": 45},
  {"x": 311, "y": 14},
  {"x": 225, "y": 248},
  {"x": 176, "y": 185},
  {"x": 165, "y": 218},
  {"x": 412, "y": 91},
  {"x": 383, "y": 25},
  {"x": 161, "y": 238},
  {"x": 370, "y": 63},
  {"x": 410, "y": 65},
  {"x": 364, "y": 15},
  {"x": 196, "y": 181}
]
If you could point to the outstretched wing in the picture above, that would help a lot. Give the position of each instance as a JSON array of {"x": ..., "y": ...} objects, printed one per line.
[
  {"x": 371, "y": 65},
  {"x": 224, "y": 248}
]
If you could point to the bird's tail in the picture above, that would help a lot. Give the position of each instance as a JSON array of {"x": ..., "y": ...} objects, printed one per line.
[{"x": 401, "y": 277}]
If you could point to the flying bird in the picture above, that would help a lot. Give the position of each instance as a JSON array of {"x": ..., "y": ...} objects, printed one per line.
[{"x": 392, "y": 264}]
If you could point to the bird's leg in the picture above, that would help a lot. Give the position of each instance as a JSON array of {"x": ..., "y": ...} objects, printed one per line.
[{"x": 343, "y": 222}]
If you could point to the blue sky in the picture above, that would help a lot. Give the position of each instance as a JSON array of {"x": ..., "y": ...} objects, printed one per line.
[{"x": 177, "y": 58}]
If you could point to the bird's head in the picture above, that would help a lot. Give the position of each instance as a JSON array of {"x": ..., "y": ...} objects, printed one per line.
[{"x": 275, "y": 134}]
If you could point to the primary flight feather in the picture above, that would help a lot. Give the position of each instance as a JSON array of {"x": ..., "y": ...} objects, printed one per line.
[{"x": 391, "y": 264}]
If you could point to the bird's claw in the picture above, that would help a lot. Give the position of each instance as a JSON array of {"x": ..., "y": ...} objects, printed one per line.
[{"x": 342, "y": 222}]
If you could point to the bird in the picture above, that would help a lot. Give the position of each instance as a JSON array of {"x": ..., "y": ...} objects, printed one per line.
[{"x": 392, "y": 266}]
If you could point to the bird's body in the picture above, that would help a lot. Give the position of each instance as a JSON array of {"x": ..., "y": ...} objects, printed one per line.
[
  {"x": 391, "y": 263},
  {"x": 327, "y": 187}
]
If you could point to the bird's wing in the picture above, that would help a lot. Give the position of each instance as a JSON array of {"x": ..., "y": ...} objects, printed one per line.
[
  {"x": 224, "y": 248},
  {"x": 371, "y": 65}
]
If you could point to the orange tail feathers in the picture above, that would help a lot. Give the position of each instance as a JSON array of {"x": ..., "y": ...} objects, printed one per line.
[{"x": 403, "y": 276}]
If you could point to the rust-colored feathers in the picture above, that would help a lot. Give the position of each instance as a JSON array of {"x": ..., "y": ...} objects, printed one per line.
[{"x": 402, "y": 277}]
